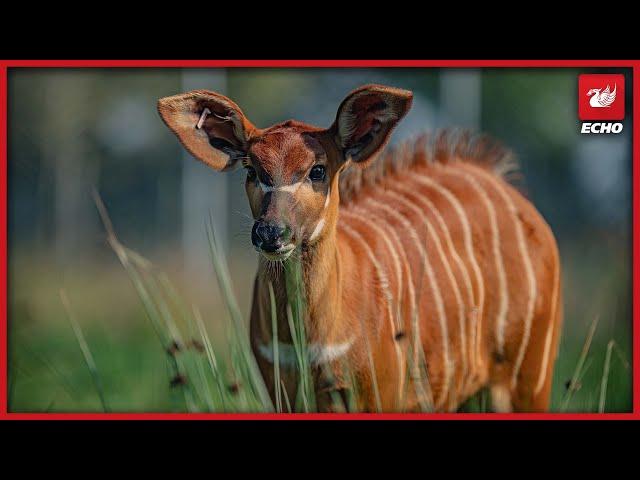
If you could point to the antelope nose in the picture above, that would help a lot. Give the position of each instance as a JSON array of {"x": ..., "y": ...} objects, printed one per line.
[{"x": 269, "y": 236}]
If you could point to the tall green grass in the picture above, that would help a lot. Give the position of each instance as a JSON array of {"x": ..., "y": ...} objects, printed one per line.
[
  {"x": 208, "y": 381},
  {"x": 205, "y": 377}
]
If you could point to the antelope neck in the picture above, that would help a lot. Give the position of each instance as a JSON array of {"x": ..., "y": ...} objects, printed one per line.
[{"x": 321, "y": 273}]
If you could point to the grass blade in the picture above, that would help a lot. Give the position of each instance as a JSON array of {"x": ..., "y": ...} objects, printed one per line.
[
  {"x": 276, "y": 353},
  {"x": 86, "y": 352},
  {"x": 296, "y": 317},
  {"x": 211, "y": 357},
  {"x": 141, "y": 275},
  {"x": 605, "y": 377},
  {"x": 248, "y": 366},
  {"x": 577, "y": 373},
  {"x": 286, "y": 396}
]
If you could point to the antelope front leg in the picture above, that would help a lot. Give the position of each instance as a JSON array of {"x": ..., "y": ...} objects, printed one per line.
[
  {"x": 332, "y": 392},
  {"x": 333, "y": 399}
]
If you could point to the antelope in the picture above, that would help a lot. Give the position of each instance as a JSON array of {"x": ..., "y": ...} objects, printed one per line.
[{"x": 424, "y": 270}]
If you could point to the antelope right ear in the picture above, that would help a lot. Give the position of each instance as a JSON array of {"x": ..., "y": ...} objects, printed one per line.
[
  {"x": 366, "y": 119},
  {"x": 209, "y": 125}
]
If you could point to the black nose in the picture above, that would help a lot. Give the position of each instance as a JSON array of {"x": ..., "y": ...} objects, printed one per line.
[{"x": 269, "y": 236}]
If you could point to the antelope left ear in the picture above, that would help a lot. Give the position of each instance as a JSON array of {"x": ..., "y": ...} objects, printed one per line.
[
  {"x": 366, "y": 119},
  {"x": 209, "y": 125}
]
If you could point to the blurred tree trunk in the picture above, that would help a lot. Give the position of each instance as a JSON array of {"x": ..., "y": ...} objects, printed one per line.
[
  {"x": 461, "y": 97},
  {"x": 66, "y": 111},
  {"x": 204, "y": 193}
]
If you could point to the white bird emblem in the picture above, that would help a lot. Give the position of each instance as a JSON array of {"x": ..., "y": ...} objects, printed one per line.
[{"x": 602, "y": 98}]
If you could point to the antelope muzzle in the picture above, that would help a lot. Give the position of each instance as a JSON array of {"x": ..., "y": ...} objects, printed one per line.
[{"x": 272, "y": 239}]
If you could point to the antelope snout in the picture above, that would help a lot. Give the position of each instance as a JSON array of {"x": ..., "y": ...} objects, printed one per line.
[{"x": 270, "y": 237}]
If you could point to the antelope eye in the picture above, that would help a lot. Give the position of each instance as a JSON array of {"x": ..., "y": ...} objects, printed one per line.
[
  {"x": 251, "y": 173},
  {"x": 317, "y": 174}
]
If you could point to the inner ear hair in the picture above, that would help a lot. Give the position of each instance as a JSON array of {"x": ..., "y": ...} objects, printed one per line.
[
  {"x": 357, "y": 147},
  {"x": 218, "y": 143},
  {"x": 228, "y": 148},
  {"x": 209, "y": 125},
  {"x": 366, "y": 118}
]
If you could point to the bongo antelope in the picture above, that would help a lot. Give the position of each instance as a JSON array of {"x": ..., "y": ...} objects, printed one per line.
[{"x": 424, "y": 270}]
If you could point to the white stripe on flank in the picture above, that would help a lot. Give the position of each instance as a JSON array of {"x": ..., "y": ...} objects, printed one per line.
[
  {"x": 392, "y": 250},
  {"x": 396, "y": 319},
  {"x": 318, "y": 353},
  {"x": 503, "y": 308},
  {"x": 448, "y": 270},
  {"x": 428, "y": 205},
  {"x": 384, "y": 284},
  {"x": 531, "y": 279},
  {"x": 551, "y": 328},
  {"x": 530, "y": 305},
  {"x": 466, "y": 231},
  {"x": 410, "y": 287},
  {"x": 415, "y": 373},
  {"x": 446, "y": 356}
]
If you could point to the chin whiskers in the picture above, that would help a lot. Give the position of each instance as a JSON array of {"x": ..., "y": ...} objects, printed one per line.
[{"x": 272, "y": 268}]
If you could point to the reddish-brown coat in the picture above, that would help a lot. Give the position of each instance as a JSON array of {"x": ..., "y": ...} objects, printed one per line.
[{"x": 358, "y": 286}]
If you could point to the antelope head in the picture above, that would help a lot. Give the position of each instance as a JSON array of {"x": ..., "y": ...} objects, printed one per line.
[{"x": 292, "y": 168}]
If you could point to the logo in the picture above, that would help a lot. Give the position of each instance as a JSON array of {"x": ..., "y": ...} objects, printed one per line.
[{"x": 601, "y": 97}]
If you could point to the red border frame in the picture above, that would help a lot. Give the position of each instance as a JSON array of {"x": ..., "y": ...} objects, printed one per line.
[{"x": 5, "y": 64}]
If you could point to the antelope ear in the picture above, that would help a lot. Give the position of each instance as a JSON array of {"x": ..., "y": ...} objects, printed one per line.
[
  {"x": 366, "y": 119},
  {"x": 209, "y": 125}
]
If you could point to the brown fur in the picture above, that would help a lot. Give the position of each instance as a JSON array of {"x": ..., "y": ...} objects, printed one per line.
[
  {"x": 391, "y": 260},
  {"x": 444, "y": 146}
]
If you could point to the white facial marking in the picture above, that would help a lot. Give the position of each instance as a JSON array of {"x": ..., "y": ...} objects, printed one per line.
[
  {"x": 317, "y": 230},
  {"x": 281, "y": 254},
  {"x": 328, "y": 199},
  {"x": 282, "y": 188},
  {"x": 320, "y": 225}
]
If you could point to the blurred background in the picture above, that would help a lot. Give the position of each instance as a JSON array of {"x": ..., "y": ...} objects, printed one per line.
[{"x": 75, "y": 129}]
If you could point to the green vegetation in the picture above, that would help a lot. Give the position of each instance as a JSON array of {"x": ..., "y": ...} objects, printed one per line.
[{"x": 176, "y": 366}]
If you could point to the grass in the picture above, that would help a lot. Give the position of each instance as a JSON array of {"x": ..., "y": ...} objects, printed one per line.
[
  {"x": 86, "y": 351},
  {"x": 207, "y": 382},
  {"x": 172, "y": 362}
]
